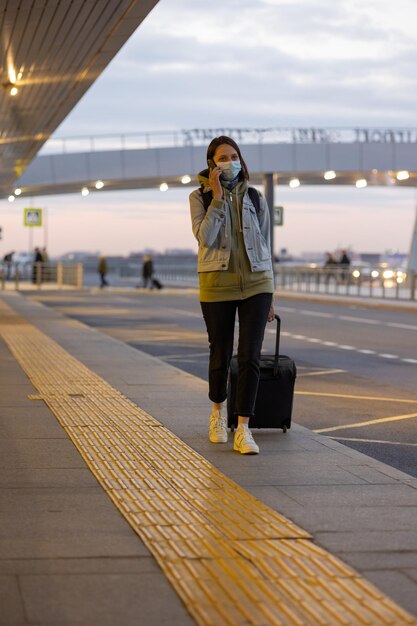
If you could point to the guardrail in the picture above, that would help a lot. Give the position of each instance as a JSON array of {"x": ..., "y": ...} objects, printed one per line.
[
  {"x": 337, "y": 281},
  {"x": 201, "y": 137},
  {"x": 352, "y": 281},
  {"x": 21, "y": 275}
]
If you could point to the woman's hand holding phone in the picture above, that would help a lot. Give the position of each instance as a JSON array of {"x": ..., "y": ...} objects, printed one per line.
[{"x": 214, "y": 182}]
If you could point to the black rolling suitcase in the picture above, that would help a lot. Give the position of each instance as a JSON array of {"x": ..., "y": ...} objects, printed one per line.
[
  {"x": 156, "y": 283},
  {"x": 274, "y": 400}
]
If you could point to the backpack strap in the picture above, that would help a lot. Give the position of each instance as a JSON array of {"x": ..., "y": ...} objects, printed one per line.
[
  {"x": 207, "y": 197},
  {"x": 254, "y": 195},
  {"x": 255, "y": 199}
]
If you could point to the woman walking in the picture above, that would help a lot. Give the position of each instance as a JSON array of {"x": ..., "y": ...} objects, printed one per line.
[{"x": 231, "y": 223}]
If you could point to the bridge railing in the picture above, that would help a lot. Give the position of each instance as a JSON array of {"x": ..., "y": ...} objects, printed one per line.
[{"x": 201, "y": 137}]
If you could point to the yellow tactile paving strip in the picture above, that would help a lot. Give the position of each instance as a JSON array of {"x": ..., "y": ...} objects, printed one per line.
[{"x": 231, "y": 559}]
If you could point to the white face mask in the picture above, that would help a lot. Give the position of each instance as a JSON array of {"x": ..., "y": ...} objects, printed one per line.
[{"x": 230, "y": 169}]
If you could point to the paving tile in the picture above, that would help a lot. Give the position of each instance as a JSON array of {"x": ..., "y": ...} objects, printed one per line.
[
  {"x": 357, "y": 519},
  {"x": 281, "y": 475},
  {"x": 368, "y": 495},
  {"x": 397, "y": 585},
  {"x": 57, "y": 534},
  {"x": 46, "y": 477},
  {"x": 370, "y": 540},
  {"x": 28, "y": 500},
  {"x": 371, "y": 474},
  {"x": 33, "y": 426},
  {"x": 39, "y": 453},
  {"x": 51, "y": 566},
  {"x": 103, "y": 600},
  {"x": 401, "y": 560},
  {"x": 412, "y": 573},
  {"x": 11, "y": 604}
]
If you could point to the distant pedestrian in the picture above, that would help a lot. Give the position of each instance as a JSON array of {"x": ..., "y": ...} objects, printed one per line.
[
  {"x": 8, "y": 260},
  {"x": 329, "y": 265},
  {"x": 232, "y": 228},
  {"x": 45, "y": 264},
  {"x": 102, "y": 270},
  {"x": 344, "y": 259},
  {"x": 147, "y": 271},
  {"x": 344, "y": 263},
  {"x": 37, "y": 266}
]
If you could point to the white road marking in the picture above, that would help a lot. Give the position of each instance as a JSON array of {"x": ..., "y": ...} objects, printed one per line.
[
  {"x": 380, "y": 420},
  {"x": 347, "y": 318},
  {"x": 322, "y": 372},
  {"x": 403, "y": 326},
  {"x": 343, "y": 346},
  {"x": 183, "y": 312},
  {"x": 391, "y": 443},
  {"x": 316, "y": 313},
  {"x": 362, "y": 320}
]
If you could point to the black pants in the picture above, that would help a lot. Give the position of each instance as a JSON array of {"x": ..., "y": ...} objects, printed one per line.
[{"x": 220, "y": 322}]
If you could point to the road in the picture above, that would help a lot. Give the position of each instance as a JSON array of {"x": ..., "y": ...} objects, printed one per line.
[{"x": 357, "y": 366}]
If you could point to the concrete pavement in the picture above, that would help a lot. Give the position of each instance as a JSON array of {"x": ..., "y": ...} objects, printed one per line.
[{"x": 69, "y": 557}]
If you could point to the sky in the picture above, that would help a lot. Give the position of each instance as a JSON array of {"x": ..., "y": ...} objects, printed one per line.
[{"x": 244, "y": 63}]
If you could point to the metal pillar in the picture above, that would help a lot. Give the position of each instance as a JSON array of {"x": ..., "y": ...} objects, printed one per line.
[
  {"x": 268, "y": 181},
  {"x": 412, "y": 257}
]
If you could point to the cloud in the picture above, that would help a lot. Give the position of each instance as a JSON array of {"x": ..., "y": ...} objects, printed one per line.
[{"x": 259, "y": 63}]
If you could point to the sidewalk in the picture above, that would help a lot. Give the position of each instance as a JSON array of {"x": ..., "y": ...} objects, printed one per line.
[{"x": 67, "y": 555}]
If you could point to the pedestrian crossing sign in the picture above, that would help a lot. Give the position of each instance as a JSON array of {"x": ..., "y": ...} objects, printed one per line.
[{"x": 32, "y": 217}]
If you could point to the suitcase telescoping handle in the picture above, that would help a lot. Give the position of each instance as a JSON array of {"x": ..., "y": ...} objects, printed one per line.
[{"x": 276, "y": 357}]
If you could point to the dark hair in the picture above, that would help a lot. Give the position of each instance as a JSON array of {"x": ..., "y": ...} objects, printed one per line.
[{"x": 218, "y": 141}]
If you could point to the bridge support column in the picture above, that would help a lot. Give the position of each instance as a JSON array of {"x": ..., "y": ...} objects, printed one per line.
[
  {"x": 412, "y": 257},
  {"x": 268, "y": 181},
  {"x": 412, "y": 262}
]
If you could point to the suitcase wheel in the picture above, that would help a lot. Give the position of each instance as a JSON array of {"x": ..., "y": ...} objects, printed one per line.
[
  {"x": 232, "y": 428},
  {"x": 284, "y": 429}
]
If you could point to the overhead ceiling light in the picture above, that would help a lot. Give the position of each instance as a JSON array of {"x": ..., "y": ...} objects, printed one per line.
[
  {"x": 11, "y": 198},
  {"x": 329, "y": 175},
  {"x": 17, "y": 192},
  {"x": 99, "y": 184},
  {"x": 13, "y": 91},
  {"x": 403, "y": 175},
  {"x": 186, "y": 179},
  {"x": 361, "y": 183},
  {"x": 12, "y": 73},
  {"x": 163, "y": 187},
  {"x": 294, "y": 182},
  {"x": 19, "y": 76},
  {"x": 84, "y": 191}
]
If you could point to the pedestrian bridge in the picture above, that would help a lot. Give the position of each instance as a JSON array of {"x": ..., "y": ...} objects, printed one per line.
[{"x": 312, "y": 156}]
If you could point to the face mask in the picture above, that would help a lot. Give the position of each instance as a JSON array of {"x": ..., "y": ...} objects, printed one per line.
[{"x": 230, "y": 169}]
